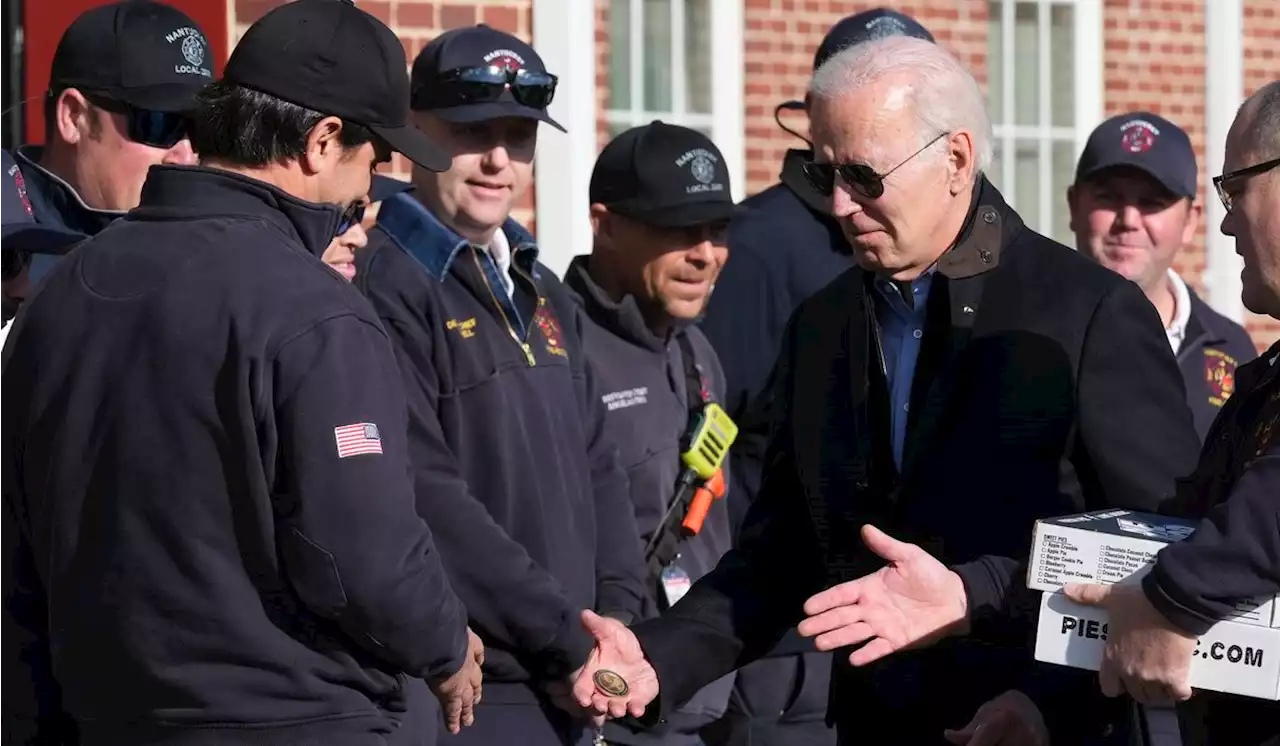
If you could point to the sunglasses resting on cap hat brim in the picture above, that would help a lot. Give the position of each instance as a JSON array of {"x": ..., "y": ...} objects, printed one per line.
[{"x": 467, "y": 113}]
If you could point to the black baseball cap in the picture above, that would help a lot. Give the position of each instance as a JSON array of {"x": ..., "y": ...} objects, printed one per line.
[
  {"x": 869, "y": 25},
  {"x": 21, "y": 232},
  {"x": 332, "y": 57},
  {"x": 146, "y": 54},
  {"x": 664, "y": 175},
  {"x": 469, "y": 47},
  {"x": 1147, "y": 142}
]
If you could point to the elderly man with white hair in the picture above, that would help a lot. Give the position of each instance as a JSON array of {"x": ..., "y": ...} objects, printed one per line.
[{"x": 967, "y": 377}]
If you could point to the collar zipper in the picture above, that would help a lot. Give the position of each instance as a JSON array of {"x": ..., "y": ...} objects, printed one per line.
[{"x": 528, "y": 351}]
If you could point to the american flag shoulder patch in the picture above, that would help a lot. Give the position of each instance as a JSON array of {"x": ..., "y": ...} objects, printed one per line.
[{"x": 357, "y": 439}]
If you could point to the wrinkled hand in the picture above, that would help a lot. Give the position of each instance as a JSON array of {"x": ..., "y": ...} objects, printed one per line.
[
  {"x": 617, "y": 650},
  {"x": 910, "y": 602},
  {"x": 460, "y": 693},
  {"x": 1146, "y": 656},
  {"x": 1010, "y": 719}
]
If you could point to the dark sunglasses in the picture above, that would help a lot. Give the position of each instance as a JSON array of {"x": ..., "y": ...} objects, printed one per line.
[
  {"x": 352, "y": 215},
  {"x": 863, "y": 178},
  {"x": 1220, "y": 182},
  {"x": 483, "y": 85},
  {"x": 159, "y": 129},
  {"x": 12, "y": 263}
]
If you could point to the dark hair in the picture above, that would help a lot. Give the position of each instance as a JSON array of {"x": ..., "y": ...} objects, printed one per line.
[{"x": 244, "y": 127}]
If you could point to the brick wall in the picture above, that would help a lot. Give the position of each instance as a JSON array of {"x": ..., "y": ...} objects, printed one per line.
[
  {"x": 417, "y": 22},
  {"x": 780, "y": 39}
]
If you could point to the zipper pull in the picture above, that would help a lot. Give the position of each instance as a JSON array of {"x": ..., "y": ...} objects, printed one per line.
[{"x": 528, "y": 353}]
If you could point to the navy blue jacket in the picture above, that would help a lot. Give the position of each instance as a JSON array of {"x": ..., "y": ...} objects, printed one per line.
[
  {"x": 525, "y": 494},
  {"x": 208, "y": 555},
  {"x": 642, "y": 379},
  {"x": 1213, "y": 348}
]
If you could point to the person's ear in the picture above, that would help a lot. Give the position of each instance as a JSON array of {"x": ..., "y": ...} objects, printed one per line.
[
  {"x": 962, "y": 161},
  {"x": 73, "y": 116},
  {"x": 601, "y": 225},
  {"x": 323, "y": 146}
]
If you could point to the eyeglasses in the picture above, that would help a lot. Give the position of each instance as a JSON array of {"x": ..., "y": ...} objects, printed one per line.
[
  {"x": 1220, "y": 182},
  {"x": 158, "y": 129},
  {"x": 860, "y": 176},
  {"x": 482, "y": 85},
  {"x": 352, "y": 215}
]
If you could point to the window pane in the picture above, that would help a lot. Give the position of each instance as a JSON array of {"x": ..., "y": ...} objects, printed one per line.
[
  {"x": 619, "y": 54},
  {"x": 995, "y": 174},
  {"x": 697, "y": 56},
  {"x": 1026, "y": 60},
  {"x": 617, "y": 128},
  {"x": 1062, "y": 65},
  {"x": 657, "y": 55},
  {"x": 995, "y": 63},
  {"x": 1026, "y": 182},
  {"x": 1064, "y": 169}
]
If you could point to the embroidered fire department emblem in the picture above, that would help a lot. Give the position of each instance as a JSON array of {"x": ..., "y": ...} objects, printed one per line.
[
  {"x": 1138, "y": 135},
  {"x": 546, "y": 320},
  {"x": 1219, "y": 376},
  {"x": 20, "y": 184}
]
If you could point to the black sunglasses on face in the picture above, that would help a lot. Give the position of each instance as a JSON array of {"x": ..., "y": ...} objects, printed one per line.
[
  {"x": 12, "y": 263},
  {"x": 158, "y": 129},
  {"x": 482, "y": 85},
  {"x": 861, "y": 177},
  {"x": 352, "y": 215},
  {"x": 1220, "y": 182}
]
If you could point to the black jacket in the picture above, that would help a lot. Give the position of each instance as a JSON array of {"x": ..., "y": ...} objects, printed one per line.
[
  {"x": 513, "y": 469},
  {"x": 208, "y": 550},
  {"x": 1213, "y": 349},
  {"x": 642, "y": 382},
  {"x": 1235, "y": 551},
  {"x": 1022, "y": 407}
]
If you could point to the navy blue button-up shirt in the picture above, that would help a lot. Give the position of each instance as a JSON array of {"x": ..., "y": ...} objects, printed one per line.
[{"x": 901, "y": 331}]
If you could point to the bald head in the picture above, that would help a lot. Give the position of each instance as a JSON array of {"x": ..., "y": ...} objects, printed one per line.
[{"x": 1259, "y": 122}]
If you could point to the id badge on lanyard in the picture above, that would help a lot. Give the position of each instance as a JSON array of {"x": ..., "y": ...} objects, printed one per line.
[{"x": 675, "y": 583}]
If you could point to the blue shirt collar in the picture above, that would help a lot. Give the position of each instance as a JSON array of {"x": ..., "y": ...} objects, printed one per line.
[{"x": 434, "y": 245}]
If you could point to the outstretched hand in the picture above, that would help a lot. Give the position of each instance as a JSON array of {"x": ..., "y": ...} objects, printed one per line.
[
  {"x": 617, "y": 651},
  {"x": 912, "y": 601}
]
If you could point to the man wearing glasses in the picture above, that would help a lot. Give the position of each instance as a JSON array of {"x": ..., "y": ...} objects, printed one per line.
[
  {"x": 967, "y": 377},
  {"x": 1235, "y": 551},
  {"x": 513, "y": 471},
  {"x": 123, "y": 77}
]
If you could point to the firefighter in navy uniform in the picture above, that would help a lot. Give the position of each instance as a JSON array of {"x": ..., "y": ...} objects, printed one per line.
[
  {"x": 209, "y": 509},
  {"x": 660, "y": 204},
  {"x": 514, "y": 471},
  {"x": 1133, "y": 207},
  {"x": 122, "y": 84}
]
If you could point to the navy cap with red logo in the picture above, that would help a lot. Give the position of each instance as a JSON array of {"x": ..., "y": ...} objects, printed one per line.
[
  {"x": 1146, "y": 142},
  {"x": 21, "y": 232},
  {"x": 478, "y": 73},
  {"x": 142, "y": 53}
]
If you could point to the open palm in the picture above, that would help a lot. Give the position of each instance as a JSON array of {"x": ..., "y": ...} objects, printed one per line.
[
  {"x": 911, "y": 601},
  {"x": 616, "y": 650}
]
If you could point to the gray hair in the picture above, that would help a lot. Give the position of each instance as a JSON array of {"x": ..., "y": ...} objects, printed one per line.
[
  {"x": 943, "y": 93},
  {"x": 1263, "y": 110}
]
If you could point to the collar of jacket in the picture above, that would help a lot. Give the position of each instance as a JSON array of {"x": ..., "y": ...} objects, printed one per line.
[
  {"x": 989, "y": 227},
  {"x": 196, "y": 191},
  {"x": 54, "y": 195},
  {"x": 435, "y": 246},
  {"x": 621, "y": 318}
]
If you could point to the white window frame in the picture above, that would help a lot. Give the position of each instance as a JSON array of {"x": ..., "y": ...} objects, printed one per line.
[
  {"x": 726, "y": 120},
  {"x": 1088, "y": 94}
]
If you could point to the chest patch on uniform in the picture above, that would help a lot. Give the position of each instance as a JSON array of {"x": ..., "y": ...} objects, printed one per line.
[
  {"x": 546, "y": 321},
  {"x": 626, "y": 398},
  {"x": 357, "y": 439},
  {"x": 466, "y": 328},
  {"x": 1219, "y": 376}
]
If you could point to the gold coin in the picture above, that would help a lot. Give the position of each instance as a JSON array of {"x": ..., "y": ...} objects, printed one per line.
[{"x": 611, "y": 683}]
